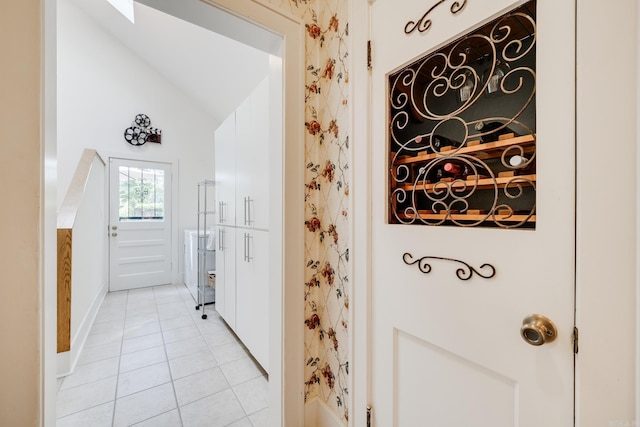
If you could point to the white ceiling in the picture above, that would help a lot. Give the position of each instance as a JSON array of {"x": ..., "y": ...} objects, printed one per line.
[{"x": 215, "y": 71}]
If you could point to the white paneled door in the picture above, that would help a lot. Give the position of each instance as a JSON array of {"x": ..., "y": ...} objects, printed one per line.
[
  {"x": 139, "y": 224},
  {"x": 448, "y": 301}
]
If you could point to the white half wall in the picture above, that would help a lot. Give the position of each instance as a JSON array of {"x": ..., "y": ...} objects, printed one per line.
[
  {"x": 89, "y": 261},
  {"x": 102, "y": 85}
]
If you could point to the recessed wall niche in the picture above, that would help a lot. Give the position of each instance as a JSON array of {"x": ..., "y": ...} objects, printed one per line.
[{"x": 462, "y": 130}]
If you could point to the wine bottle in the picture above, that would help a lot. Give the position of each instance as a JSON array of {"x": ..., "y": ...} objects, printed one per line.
[
  {"x": 517, "y": 161},
  {"x": 520, "y": 164},
  {"x": 490, "y": 131},
  {"x": 457, "y": 170},
  {"x": 435, "y": 174},
  {"x": 438, "y": 142}
]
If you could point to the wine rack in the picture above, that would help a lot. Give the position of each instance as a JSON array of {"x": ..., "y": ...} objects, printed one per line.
[
  {"x": 462, "y": 130},
  {"x": 417, "y": 199}
]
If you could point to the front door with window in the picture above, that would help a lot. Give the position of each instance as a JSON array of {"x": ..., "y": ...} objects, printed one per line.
[
  {"x": 473, "y": 192},
  {"x": 139, "y": 224}
]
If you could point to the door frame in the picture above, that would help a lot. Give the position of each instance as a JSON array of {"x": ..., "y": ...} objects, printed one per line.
[
  {"x": 175, "y": 193},
  {"x": 286, "y": 311},
  {"x": 175, "y": 217},
  {"x": 286, "y": 308},
  {"x": 594, "y": 249}
]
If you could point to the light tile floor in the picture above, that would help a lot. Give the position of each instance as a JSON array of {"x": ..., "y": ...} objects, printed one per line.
[{"x": 150, "y": 360}]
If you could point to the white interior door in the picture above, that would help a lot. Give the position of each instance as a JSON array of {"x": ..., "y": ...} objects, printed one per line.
[
  {"x": 448, "y": 301},
  {"x": 139, "y": 224}
]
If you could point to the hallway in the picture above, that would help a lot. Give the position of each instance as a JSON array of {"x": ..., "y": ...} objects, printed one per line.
[{"x": 150, "y": 360}]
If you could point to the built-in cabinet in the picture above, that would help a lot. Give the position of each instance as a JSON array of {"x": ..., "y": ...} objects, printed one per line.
[{"x": 242, "y": 193}]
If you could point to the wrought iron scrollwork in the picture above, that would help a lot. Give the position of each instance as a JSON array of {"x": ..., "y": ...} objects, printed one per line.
[
  {"x": 424, "y": 23},
  {"x": 471, "y": 104},
  {"x": 464, "y": 273}
]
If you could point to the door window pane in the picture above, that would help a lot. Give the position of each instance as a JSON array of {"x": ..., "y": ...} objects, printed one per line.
[{"x": 141, "y": 194}]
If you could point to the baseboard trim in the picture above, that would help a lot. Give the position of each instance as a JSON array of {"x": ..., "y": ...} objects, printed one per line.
[
  {"x": 67, "y": 361},
  {"x": 318, "y": 414}
]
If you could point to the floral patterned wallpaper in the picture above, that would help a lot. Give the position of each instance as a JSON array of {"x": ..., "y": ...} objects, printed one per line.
[{"x": 327, "y": 180}]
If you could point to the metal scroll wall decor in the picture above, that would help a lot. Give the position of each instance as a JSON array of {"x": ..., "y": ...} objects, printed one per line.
[
  {"x": 464, "y": 272},
  {"x": 424, "y": 23},
  {"x": 462, "y": 136}
]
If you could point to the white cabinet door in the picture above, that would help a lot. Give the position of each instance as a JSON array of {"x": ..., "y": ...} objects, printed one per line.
[
  {"x": 226, "y": 275},
  {"x": 252, "y": 173},
  {"x": 258, "y": 206},
  {"x": 221, "y": 288},
  {"x": 225, "y": 164},
  {"x": 252, "y": 303},
  {"x": 245, "y": 159}
]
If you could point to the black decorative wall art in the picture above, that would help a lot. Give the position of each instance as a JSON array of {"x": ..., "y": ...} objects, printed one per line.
[{"x": 141, "y": 131}]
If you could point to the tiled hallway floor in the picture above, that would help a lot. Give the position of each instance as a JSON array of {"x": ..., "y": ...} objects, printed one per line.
[{"x": 150, "y": 360}]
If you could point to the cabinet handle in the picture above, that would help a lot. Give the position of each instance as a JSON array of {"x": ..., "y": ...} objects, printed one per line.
[
  {"x": 221, "y": 215},
  {"x": 220, "y": 239},
  {"x": 247, "y": 247},
  {"x": 247, "y": 210},
  {"x": 245, "y": 213}
]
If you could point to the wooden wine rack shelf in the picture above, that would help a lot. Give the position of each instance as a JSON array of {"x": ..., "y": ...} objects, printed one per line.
[
  {"x": 481, "y": 183},
  {"x": 482, "y": 151},
  {"x": 471, "y": 217}
]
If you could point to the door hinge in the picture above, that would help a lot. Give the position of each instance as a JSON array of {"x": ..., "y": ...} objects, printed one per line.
[
  {"x": 369, "y": 55},
  {"x": 368, "y": 416},
  {"x": 575, "y": 340}
]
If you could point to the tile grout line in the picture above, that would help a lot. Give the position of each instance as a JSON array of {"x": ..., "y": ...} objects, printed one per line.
[
  {"x": 174, "y": 296},
  {"x": 115, "y": 395},
  {"x": 164, "y": 346},
  {"x": 210, "y": 349},
  {"x": 168, "y": 367}
]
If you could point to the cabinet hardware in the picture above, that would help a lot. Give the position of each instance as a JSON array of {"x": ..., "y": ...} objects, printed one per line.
[
  {"x": 221, "y": 214},
  {"x": 247, "y": 210},
  {"x": 247, "y": 249}
]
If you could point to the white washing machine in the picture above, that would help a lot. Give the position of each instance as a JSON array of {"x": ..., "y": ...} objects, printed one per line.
[{"x": 191, "y": 264}]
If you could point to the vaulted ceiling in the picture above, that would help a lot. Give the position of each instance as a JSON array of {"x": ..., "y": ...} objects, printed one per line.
[{"x": 214, "y": 70}]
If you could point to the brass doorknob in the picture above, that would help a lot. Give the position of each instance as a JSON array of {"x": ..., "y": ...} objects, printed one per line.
[{"x": 537, "y": 330}]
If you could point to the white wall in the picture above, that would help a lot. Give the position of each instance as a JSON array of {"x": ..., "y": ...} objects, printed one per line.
[
  {"x": 89, "y": 249},
  {"x": 101, "y": 87},
  {"x": 607, "y": 132}
]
